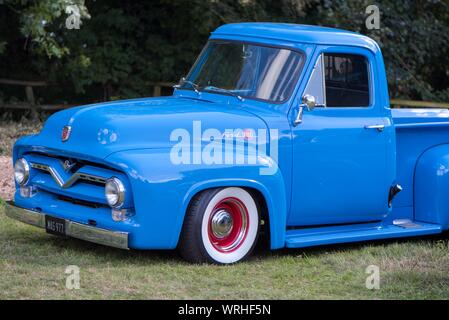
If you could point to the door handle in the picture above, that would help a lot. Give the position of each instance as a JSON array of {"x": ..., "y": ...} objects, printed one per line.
[{"x": 378, "y": 127}]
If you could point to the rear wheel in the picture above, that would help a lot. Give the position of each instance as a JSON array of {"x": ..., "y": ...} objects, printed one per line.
[{"x": 221, "y": 226}]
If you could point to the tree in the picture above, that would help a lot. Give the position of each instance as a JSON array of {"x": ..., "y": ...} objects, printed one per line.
[
  {"x": 413, "y": 35},
  {"x": 123, "y": 46},
  {"x": 40, "y": 23}
]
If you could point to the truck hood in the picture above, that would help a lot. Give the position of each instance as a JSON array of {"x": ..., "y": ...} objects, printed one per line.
[{"x": 99, "y": 130}]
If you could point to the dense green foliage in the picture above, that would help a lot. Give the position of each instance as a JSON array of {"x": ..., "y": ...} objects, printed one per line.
[{"x": 124, "y": 46}]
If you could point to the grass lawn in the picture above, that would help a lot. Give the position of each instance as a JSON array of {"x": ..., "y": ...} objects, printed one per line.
[{"x": 32, "y": 266}]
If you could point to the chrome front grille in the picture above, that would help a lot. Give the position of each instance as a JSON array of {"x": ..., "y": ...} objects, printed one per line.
[{"x": 74, "y": 178}]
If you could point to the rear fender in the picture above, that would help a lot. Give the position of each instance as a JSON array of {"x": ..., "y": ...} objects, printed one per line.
[{"x": 431, "y": 186}]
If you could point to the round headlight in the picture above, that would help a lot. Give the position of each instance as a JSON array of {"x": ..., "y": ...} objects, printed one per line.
[
  {"x": 21, "y": 171},
  {"x": 115, "y": 192}
]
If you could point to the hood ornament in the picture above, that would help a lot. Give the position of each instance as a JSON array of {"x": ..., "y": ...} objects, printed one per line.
[{"x": 66, "y": 133}]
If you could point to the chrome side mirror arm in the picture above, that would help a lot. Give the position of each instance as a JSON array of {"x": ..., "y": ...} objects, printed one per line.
[
  {"x": 301, "y": 107},
  {"x": 298, "y": 119},
  {"x": 309, "y": 102}
]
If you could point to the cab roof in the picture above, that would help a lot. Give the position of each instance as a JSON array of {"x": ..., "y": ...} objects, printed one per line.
[{"x": 296, "y": 33}]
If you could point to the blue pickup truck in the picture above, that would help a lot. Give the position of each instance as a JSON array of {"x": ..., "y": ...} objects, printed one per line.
[{"x": 278, "y": 130}]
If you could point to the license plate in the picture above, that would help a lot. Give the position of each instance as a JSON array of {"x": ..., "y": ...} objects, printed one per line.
[{"x": 55, "y": 225}]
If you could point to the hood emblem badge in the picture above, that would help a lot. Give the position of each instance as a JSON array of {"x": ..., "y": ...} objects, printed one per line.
[{"x": 66, "y": 133}]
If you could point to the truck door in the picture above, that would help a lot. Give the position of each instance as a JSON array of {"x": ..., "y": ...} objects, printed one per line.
[{"x": 341, "y": 148}]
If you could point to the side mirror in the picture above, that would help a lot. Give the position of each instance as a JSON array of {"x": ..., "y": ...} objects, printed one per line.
[{"x": 309, "y": 101}]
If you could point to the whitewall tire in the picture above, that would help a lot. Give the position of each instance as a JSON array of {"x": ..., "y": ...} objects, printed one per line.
[{"x": 221, "y": 226}]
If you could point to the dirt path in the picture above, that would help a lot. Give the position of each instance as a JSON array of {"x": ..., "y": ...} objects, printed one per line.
[{"x": 6, "y": 178}]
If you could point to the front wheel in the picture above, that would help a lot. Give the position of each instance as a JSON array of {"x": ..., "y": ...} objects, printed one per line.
[{"x": 221, "y": 226}]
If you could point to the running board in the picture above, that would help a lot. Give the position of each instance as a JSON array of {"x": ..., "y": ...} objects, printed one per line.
[{"x": 308, "y": 237}]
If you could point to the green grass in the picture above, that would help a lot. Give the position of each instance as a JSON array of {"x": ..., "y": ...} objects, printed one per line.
[{"x": 32, "y": 266}]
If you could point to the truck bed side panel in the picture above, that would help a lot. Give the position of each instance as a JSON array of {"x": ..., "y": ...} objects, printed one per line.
[{"x": 417, "y": 130}]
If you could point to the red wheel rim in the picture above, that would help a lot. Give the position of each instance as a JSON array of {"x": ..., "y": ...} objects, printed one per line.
[{"x": 228, "y": 225}]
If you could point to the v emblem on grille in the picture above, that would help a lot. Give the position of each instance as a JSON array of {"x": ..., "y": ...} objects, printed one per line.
[{"x": 71, "y": 180}]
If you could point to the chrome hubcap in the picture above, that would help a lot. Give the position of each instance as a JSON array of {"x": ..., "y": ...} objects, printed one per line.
[{"x": 221, "y": 224}]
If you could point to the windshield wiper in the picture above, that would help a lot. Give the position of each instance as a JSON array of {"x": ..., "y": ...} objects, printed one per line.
[
  {"x": 185, "y": 81},
  {"x": 217, "y": 89}
]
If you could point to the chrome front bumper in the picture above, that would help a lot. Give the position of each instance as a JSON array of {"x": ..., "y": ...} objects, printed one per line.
[{"x": 73, "y": 229}]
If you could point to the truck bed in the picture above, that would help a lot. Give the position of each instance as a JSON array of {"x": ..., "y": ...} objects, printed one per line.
[
  {"x": 406, "y": 118},
  {"x": 416, "y": 131}
]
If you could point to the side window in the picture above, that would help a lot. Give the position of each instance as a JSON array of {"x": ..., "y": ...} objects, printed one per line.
[
  {"x": 346, "y": 80},
  {"x": 315, "y": 86}
]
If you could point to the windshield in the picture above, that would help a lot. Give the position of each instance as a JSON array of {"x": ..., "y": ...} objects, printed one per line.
[{"x": 246, "y": 70}]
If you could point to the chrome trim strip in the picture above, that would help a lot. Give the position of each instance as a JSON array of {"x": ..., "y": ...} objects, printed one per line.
[
  {"x": 116, "y": 239},
  {"x": 75, "y": 177}
]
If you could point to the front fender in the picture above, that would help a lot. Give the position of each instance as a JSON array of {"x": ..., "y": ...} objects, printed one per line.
[{"x": 162, "y": 192}]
